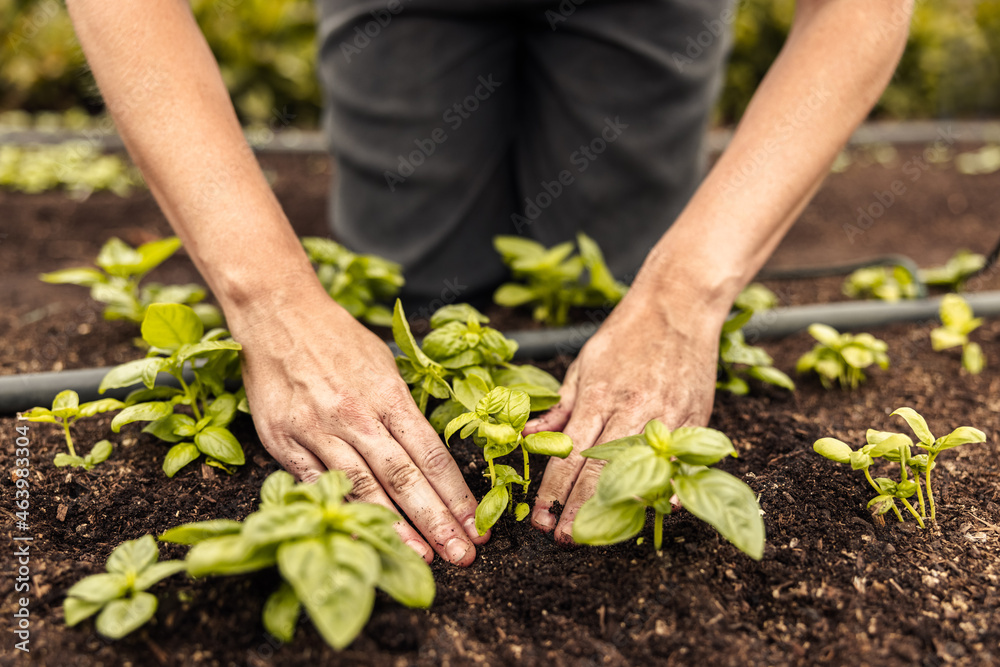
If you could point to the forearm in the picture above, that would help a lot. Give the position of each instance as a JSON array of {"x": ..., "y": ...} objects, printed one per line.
[
  {"x": 817, "y": 92},
  {"x": 163, "y": 88}
]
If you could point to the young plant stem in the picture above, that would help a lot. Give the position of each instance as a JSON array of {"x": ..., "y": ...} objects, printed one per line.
[
  {"x": 913, "y": 512},
  {"x": 930, "y": 494},
  {"x": 878, "y": 488},
  {"x": 920, "y": 497},
  {"x": 526, "y": 477},
  {"x": 493, "y": 474},
  {"x": 192, "y": 398},
  {"x": 896, "y": 510},
  {"x": 658, "y": 530},
  {"x": 69, "y": 438}
]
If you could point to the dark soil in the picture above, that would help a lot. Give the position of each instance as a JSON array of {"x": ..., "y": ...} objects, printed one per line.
[{"x": 836, "y": 586}]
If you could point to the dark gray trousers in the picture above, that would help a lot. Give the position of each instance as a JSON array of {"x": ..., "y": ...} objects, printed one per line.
[{"x": 453, "y": 121}]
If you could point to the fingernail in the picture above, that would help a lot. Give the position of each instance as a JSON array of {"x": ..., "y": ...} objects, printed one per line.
[
  {"x": 544, "y": 519},
  {"x": 457, "y": 548},
  {"x": 470, "y": 528}
]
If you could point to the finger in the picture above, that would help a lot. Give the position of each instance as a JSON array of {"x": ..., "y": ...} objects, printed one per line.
[
  {"x": 557, "y": 417},
  {"x": 338, "y": 455},
  {"x": 619, "y": 425},
  {"x": 584, "y": 427},
  {"x": 412, "y": 492},
  {"x": 294, "y": 458},
  {"x": 418, "y": 438}
]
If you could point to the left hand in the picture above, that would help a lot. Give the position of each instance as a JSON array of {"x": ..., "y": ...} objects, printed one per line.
[{"x": 647, "y": 361}]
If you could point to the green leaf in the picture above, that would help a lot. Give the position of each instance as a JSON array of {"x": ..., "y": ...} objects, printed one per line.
[
  {"x": 66, "y": 404},
  {"x": 131, "y": 557},
  {"x": 120, "y": 617},
  {"x": 457, "y": 423},
  {"x": 456, "y": 312},
  {"x": 406, "y": 577},
  {"x": 521, "y": 511},
  {"x": 597, "y": 523},
  {"x": 141, "y": 412},
  {"x": 700, "y": 446},
  {"x": 200, "y": 349},
  {"x": 338, "y": 600},
  {"x": 169, "y": 428},
  {"x": 973, "y": 359},
  {"x": 613, "y": 449},
  {"x": 76, "y": 610},
  {"x": 526, "y": 374},
  {"x": 158, "y": 572},
  {"x": 833, "y": 449},
  {"x": 726, "y": 503},
  {"x": 907, "y": 489},
  {"x": 955, "y": 312},
  {"x": 80, "y": 276},
  {"x": 883, "y": 503},
  {"x": 548, "y": 443},
  {"x": 118, "y": 258},
  {"x": 857, "y": 356},
  {"x": 283, "y": 522},
  {"x": 860, "y": 460},
  {"x": 127, "y": 374},
  {"x": 192, "y": 533},
  {"x": 825, "y": 334},
  {"x": 470, "y": 390},
  {"x": 513, "y": 295},
  {"x": 179, "y": 456},
  {"x": 772, "y": 376},
  {"x": 38, "y": 415},
  {"x": 498, "y": 434},
  {"x": 889, "y": 447},
  {"x": 99, "y": 406},
  {"x": 943, "y": 339},
  {"x": 274, "y": 488},
  {"x": 227, "y": 554},
  {"x": 170, "y": 325},
  {"x": 100, "y": 587},
  {"x": 154, "y": 253},
  {"x": 222, "y": 410},
  {"x": 917, "y": 423},
  {"x": 442, "y": 415},
  {"x": 491, "y": 507},
  {"x": 514, "y": 247},
  {"x": 636, "y": 473},
  {"x": 657, "y": 435},
  {"x": 281, "y": 613},
  {"x": 100, "y": 452},
  {"x": 64, "y": 460},
  {"x": 963, "y": 435},
  {"x": 219, "y": 443},
  {"x": 404, "y": 338},
  {"x": 515, "y": 409}
]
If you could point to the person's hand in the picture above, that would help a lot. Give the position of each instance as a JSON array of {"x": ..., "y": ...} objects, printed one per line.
[
  {"x": 325, "y": 394},
  {"x": 645, "y": 362}
]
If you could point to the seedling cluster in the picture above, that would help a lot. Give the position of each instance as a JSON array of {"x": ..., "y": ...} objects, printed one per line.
[
  {"x": 648, "y": 470},
  {"x": 959, "y": 322},
  {"x": 553, "y": 280},
  {"x": 738, "y": 359},
  {"x": 881, "y": 282},
  {"x": 116, "y": 282},
  {"x": 66, "y": 410},
  {"x": 841, "y": 357},
  {"x": 359, "y": 283},
  {"x": 955, "y": 272},
  {"x": 897, "y": 448}
]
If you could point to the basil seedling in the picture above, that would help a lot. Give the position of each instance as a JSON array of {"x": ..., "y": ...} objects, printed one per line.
[
  {"x": 841, "y": 357},
  {"x": 881, "y": 282},
  {"x": 496, "y": 423},
  {"x": 359, "y": 283},
  {"x": 736, "y": 357},
  {"x": 176, "y": 338},
  {"x": 553, "y": 280},
  {"x": 331, "y": 555},
  {"x": 120, "y": 593},
  {"x": 647, "y": 470},
  {"x": 896, "y": 447},
  {"x": 66, "y": 410},
  {"x": 959, "y": 268},
  {"x": 116, "y": 282},
  {"x": 958, "y": 321}
]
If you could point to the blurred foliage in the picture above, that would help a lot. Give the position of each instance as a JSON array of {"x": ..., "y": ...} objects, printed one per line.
[
  {"x": 266, "y": 50},
  {"x": 77, "y": 166}
]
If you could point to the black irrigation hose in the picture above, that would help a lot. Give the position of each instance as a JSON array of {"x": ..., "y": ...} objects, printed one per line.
[{"x": 22, "y": 392}]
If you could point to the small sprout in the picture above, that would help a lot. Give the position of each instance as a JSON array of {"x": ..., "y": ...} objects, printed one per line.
[
  {"x": 120, "y": 593},
  {"x": 958, "y": 321},
  {"x": 361, "y": 284},
  {"x": 841, "y": 357},
  {"x": 962, "y": 266},
  {"x": 736, "y": 357},
  {"x": 177, "y": 338},
  {"x": 647, "y": 470},
  {"x": 897, "y": 448},
  {"x": 495, "y": 423},
  {"x": 881, "y": 282},
  {"x": 66, "y": 410},
  {"x": 116, "y": 282},
  {"x": 553, "y": 280},
  {"x": 331, "y": 556},
  {"x": 986, "y": 160}
]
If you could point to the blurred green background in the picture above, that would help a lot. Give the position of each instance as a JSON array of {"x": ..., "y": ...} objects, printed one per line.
[{"x": 266, "y": 51}]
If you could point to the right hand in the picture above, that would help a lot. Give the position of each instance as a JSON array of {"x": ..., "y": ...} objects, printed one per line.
[{"x": 325, "y": 394}]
